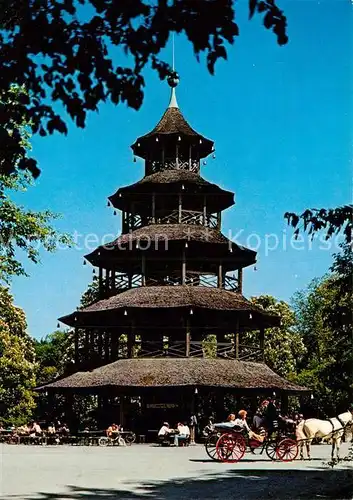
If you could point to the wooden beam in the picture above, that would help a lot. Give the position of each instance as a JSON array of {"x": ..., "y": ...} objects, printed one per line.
[
  {"x": 219, "y": 220},
  {"x": 153, "y": 208},
  {"x": 236, "y": 340},
  {"x": 183, "y": 268},
  {"x": 204, "y": 211},
  {"x": 131, "y": 341},
  {"x": 100, "y": 282},
  {"x": 240, "y": 280},
  {"x": 220, "y": 275},
  {"x": 77, "y": 353},
  {"x": 187, "y": 338},
  {"x": 143, "y": 268},
  {"x": 179, "y": 208}
]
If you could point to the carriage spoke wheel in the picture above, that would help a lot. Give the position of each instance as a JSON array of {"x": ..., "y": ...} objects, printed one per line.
[
  {"x": 287, "y": 450},
  {"x": 210, "y": 446},
  {"x": 271, "y": 450},
  {"x": 103, "y": 441},
  {"x": 230, "y": 447}
]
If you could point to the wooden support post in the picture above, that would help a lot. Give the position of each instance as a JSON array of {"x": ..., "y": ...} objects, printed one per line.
[
  {"x": 77, "y": 353},
  {"x": 179, "y": 208},
  {"x": 177, "y": 156},
  {"x": 240, "y": 280},
  {"x": 87, "y": 345},
  {"x": 204, "y": 211},
  {"x": 122, "y": 411},
  {"x": 143, "y": 269},
  {"x": 131, "y": 341},
  {"x": 153, "y": 208},
  {"x": 107, "y": 282},
  {"x": 262, "y": 342},
  {"x": 183, "y": 268},
  {"x": 114, "y": 345},
  {"x": 187, "y": 338},
  {"x": 190, "y": 162},
  {"x": 220, "y": 275},
  {"x": 107, "y": 346},
  {"x": 113, "y": 278},
  {"x": 219, "y": 220},
  {"x": 284, "y": 403},
  {"x": 100, "y": 282},
  {"x": 123, "y": 222},
  {"x": 100, "y": 344}
]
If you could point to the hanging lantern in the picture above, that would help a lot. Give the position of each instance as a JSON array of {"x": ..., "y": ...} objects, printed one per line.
[
  {"x": 196, "y": 390},
  {"x": 120, "y": 195},
  {"x": 214, "y": 156},
  {"x": 134, "y": 159},
  {"x": 157, "y": 139},
  {"x": 114, "y": 212},
  {"x": 200, "y": 141},
  {"x": 179, "y": 138},
  {"x": 182, "y": 187},
  {"x": 186, "y": 244},
  {"x": 84, "y": 263},
  {"x": 191, "y": 312},
  {"x": 125, "y": 312},
  {"x": 274, "y": 394},
  {"x": 138, "y": 144},
  {"x": 250, "y": 316},
  {"x": 94, "y": 271},
  {"x": 205, "y": 162},
  {"x": 255, "y": 268},
  {"x": 58, "y": 325}
]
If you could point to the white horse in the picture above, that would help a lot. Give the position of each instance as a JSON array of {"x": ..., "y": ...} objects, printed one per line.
[{"x": 333, "y": 428}]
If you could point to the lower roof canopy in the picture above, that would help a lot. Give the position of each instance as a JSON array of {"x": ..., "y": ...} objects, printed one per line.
[{"x": 178, "y": 372}]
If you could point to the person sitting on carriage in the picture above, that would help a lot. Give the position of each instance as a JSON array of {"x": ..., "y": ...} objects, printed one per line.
[{"x": 229, "y": 424}]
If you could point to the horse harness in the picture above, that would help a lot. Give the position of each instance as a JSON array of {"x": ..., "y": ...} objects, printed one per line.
[{"x": 340, "y": 421}]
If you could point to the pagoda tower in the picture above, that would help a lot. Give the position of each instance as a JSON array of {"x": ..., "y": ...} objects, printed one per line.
[{"x": 169, "y": 282}]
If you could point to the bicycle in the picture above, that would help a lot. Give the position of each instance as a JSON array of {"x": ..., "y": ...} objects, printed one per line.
[{"x": 117, "y": 440}]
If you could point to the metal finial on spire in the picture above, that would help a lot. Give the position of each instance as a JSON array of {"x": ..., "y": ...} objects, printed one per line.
[{"x": 173, "y": 80}]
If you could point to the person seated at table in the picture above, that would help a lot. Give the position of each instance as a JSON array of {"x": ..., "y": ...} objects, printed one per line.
[
  {"x": 184, "y": 433},
  {"x": 164, "y": 431},
  {"x": 63, "y": 429},
  {"x": 23, "y": 430},
  {"x": 51, "y": 429},
  {"x": 113, "y": 431},
  {"x": 35, "y": 430}
]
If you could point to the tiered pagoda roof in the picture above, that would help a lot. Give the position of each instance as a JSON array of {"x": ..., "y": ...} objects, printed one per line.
[{"x": 165, "y": 282}]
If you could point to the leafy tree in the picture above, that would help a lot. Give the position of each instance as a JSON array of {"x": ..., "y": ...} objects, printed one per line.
[
  {"x": 332, "y": 221},
  {"x": 64, "y": 51},
  {"x": 324, "y": 320},
  {"x": 17, "y": 365},
  {"x": 22, "y": 229},
  {"x": 54, "y": 355},
  {"x": 283, "y": 345},
  {"x": 91, "y": 294}
]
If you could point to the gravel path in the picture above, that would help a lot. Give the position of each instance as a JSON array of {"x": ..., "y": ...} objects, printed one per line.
[{"x": 147, "y": 472}]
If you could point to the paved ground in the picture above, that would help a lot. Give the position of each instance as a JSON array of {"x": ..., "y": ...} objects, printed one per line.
[{"x": 146, "y": 472}]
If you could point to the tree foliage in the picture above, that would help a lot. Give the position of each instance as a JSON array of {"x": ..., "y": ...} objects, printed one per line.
[
  {"x": 65, "y": 51},
  {"x": 54, "y": 356},
  {"x": 283, "y": 346},
  {"x": 21, "y": 229},
  {"x": 17, "y": 363},
  {"x": 324, "y": 321},
  {"x": 332, "y": 221}
]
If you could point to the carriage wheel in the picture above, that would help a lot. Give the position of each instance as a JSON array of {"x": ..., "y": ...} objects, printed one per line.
[
  {"x": 271, "y": 450},
  {"x": 231, "y": 447},
  {"x": 210, "y": 446},
  {"x": 130, "y": 438},
  {"x": 287, "y": 450},
  {"x": 103, "y": 441}
]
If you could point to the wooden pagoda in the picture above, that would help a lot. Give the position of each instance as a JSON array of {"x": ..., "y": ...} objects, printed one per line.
[{"x": 166, "y": 284}]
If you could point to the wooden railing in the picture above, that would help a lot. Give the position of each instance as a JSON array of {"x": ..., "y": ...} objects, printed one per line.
[
  {"x": 191, "y": 217},
  {"x": 121, "y": 282},
  {"x": 190, "y": 164}
]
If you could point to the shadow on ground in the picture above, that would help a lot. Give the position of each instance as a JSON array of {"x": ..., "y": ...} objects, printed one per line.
[{"x": 246, "y": 484}]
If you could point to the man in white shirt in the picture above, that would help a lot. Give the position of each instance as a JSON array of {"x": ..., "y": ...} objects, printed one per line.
[
  {"x": 164, "y": 430},
  {"x": 184, "y": 433}
]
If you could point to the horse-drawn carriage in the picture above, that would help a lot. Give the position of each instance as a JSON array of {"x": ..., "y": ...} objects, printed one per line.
[{"x": 227, "y": 444}]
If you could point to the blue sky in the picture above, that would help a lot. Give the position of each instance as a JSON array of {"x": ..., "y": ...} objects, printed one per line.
[{"x": 281, "y": 120}]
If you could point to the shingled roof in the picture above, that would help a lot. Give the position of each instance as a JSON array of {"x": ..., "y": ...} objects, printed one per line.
[
  {"x": 173, "y": 123},
  {"x": 172, "y": 372},
  {"x": 151, "y": 298}
]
